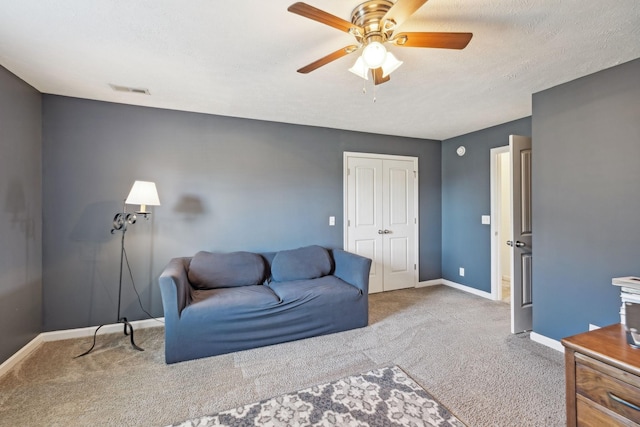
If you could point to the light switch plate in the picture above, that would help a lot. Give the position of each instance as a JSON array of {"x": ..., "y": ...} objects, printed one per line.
[
  {"x": 486, "y": 219},
  {"x": 332, "y": 220}
]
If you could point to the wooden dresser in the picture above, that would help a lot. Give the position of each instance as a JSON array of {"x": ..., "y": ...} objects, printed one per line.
[{"x": 603, "y": 379}]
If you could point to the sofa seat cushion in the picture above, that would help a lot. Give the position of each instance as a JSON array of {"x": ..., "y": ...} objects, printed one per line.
[
  {"x": 229, "y": 303},
  {"x": 224, "y": 270},
  {"x": 305, "y": 263},
  {"x": 329, "y": 289}
]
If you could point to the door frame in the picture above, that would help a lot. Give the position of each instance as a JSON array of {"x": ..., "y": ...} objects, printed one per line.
[
  {"x": 416, "y": 187},
  {"x": 496, "y": 238}
]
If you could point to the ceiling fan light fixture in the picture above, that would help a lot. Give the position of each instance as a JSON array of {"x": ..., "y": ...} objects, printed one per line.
[
  {"x": 373, "y": 23},
  {"x": 391, "y": 63},
  {"x": 359, "y": 69},
  {"x": 374, "y": 55}
]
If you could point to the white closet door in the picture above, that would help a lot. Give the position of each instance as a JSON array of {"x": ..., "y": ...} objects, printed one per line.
[
  {"x": 381, "y": 219},
  {"x": 399, "y": 225},
  {"x": 365, "y": 215}
]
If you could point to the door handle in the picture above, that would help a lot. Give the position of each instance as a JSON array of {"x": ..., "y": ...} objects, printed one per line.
[
  {"x": 520, "y": 244},
  {"x": 510, "y": 243},
  {"x": 387, "y": 231},
  {"x": 380, "y": 232}
]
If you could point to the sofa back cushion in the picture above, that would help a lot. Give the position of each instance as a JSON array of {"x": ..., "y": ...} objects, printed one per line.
[
  {"x": 305, "y": 263},
  {"x": 225, "y": 270}
]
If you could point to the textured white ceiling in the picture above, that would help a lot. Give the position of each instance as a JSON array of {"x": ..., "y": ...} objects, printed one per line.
[{"x": 238, "y": 58}]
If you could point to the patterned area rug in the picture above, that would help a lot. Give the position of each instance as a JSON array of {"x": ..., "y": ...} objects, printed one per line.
[{"x": 383, "y": 397}]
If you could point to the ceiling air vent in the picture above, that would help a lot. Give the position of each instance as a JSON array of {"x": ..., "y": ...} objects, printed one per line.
[{"x": 119, "y": 88}]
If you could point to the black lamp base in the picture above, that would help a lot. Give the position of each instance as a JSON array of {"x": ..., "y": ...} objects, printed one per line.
[
  {"x": 120, "y": 223},
  {"x": 128, "y": 330}
]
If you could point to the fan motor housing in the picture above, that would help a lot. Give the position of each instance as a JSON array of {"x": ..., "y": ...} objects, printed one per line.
[{"x": 368, "y": 16}]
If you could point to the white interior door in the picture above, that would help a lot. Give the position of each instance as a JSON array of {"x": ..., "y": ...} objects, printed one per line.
[
  {"x": 399, "y": 224},
  {"x": 521, "y": 220},
  {"x": 364, "y": 219},
  {"x": 381, "y": 212}
]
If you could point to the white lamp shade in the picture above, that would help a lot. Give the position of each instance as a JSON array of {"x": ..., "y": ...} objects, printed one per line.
[
  {"x": 391, "y": 63},
  {"x": 143, "y": 193},
  {"x": 374, "y": 55},
  {"x": 359, "y": 69}
]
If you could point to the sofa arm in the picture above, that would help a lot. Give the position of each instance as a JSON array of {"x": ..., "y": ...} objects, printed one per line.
[
  {"x": 353, "y": 269},
  {"x": 175, "y": 288}
]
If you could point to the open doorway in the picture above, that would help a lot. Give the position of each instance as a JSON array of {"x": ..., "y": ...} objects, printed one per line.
[{"x": 501, "y": 224}]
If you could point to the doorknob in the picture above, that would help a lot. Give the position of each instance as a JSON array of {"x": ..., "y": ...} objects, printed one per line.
[
  {"x": 387, "y": 231},
  {"x": 520, "y": 244},
  {"x": 380, "y": 232},
  {"x": 510, "y": 243}
]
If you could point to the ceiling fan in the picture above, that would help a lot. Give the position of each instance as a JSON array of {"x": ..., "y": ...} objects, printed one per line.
[{"x": 373, "y": 23}]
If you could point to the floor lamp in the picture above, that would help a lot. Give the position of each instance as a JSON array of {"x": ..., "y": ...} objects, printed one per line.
[{"x": 142, "y": 193}]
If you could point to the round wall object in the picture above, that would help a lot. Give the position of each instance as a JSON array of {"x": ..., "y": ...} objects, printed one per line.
[{"x": 461, "y": 150}]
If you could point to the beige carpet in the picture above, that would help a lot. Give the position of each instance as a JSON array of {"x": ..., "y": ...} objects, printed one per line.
[{"x": 455, "y": 345}]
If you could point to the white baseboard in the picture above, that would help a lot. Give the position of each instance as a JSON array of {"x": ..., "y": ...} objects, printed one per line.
[
  {"x": 549, "y": 342},
  {"x": 71, "y": 333},
  {"x": 455, "y": 285},
  {"x": 467, "y": 289},
  {"x": 66, "y": 334},
  {"x": 20, "y": 354},
  {"x": 426, "y": 283}
]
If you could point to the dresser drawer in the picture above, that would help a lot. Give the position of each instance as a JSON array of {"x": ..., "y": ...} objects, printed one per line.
[
  {"x": 589, "y": 414},
  {"x": 611, "y": 388}
]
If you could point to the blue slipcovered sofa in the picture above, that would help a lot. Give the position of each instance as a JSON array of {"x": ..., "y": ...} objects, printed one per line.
[{"x": 216, "y": 303}]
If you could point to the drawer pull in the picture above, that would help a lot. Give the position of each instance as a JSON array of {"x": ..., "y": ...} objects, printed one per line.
[{"x": 622, "y": 401}]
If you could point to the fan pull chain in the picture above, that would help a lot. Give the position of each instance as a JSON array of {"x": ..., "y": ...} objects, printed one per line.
[{"x": 364, "y": 89}]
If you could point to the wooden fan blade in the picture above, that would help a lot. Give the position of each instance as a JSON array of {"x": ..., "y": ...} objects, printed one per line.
[
  {"x": 434, "y": 40},
  {"x": 329, "y": 58},
  {"x": 323, "y": 17},
  {"x": 402, "y": 10},
  {"x": 377, "y": 76}
]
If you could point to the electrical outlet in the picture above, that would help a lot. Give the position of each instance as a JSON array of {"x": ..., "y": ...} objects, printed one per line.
[
  {"x": 461, "y": 271},
  {"x": 332, "y": 220}
]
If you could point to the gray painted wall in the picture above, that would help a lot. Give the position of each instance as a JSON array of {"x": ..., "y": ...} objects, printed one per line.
[
  {"x": 224, "y": 183},
  {"x": 228, "y": 184},
  {"x": 20, "y": 214},
  {"x": 586, "y": 198},
  {"x": 466, "y": 196}
]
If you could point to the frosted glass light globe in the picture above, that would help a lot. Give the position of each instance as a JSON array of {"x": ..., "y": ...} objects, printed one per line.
[
  {"x": 359, "y": 69},
  {"x": 374, "y": 55}
]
